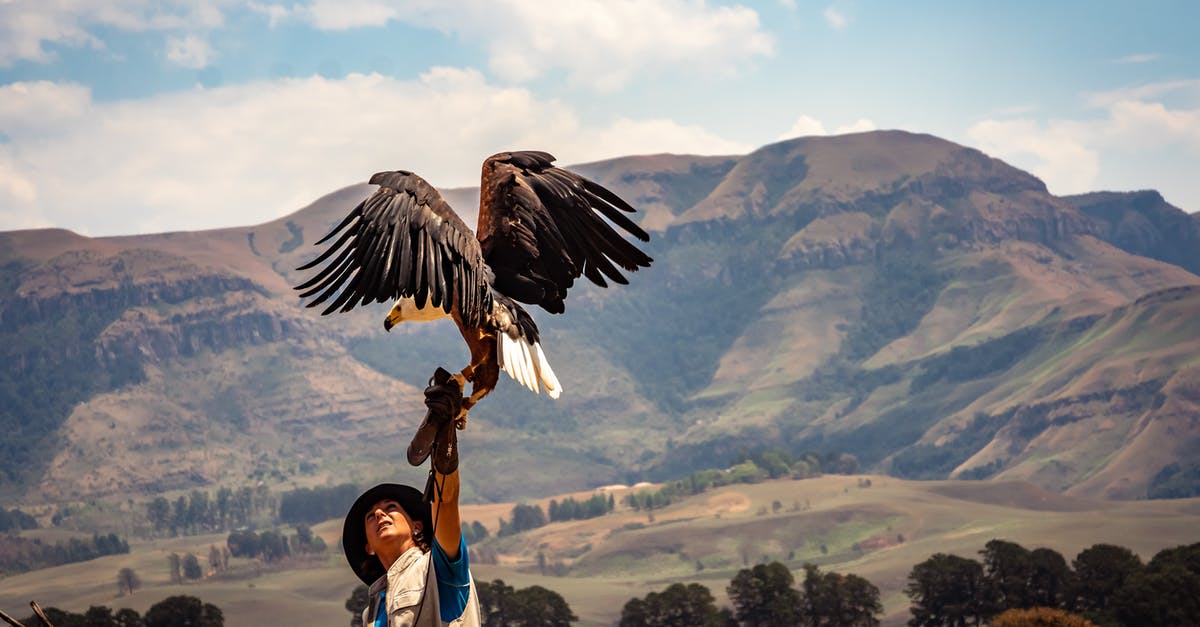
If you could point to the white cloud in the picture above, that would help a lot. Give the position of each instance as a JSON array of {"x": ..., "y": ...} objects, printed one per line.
[
  {"x": 347, "y": 14},
  {"x": 1138, "y": 58},
  {"x": 1055, "y": 153},
  {"x": 243, "y": 154},
  {"x": 1188, "y": 90},
  {"x": 27, "y": 26},
  {"x": 600, "y": 44},
  {"x": 803, "y": 126},
  {"x": 1074, "y": 156},
  {"x": 190, "y": 51},
  {"x": 835, "y": 17},
  {"x": 861, "y": 125},
  {"x": 808, "y": 125}
]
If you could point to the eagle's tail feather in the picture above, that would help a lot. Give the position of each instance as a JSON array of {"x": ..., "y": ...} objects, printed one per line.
[
  {"x": 527, "y": 364},
  {"x": 546, "y": 373}
]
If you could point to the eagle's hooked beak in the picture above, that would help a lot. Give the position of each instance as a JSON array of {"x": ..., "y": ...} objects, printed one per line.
[{"x": 393, "y": 318}]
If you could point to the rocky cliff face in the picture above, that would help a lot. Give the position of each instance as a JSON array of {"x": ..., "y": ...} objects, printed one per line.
[{"x": 1144, "y": 224}]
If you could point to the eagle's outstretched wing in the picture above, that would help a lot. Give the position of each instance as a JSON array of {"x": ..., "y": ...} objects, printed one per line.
[
  {"x": 542, "y": 227},
  {"x": 403, "y": 241}
]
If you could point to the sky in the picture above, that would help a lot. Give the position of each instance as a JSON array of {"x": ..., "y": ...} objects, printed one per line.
[{"x": 138, "y": 116}]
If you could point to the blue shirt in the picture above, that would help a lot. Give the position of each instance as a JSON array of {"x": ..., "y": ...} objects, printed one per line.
[{"x": 453, "y": 581}]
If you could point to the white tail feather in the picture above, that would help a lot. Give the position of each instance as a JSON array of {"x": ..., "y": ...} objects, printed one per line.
[
  {"x": 527, "y": 364},
  {"x": 531, "y": 378},
  {"x": 546, "y": 373}
]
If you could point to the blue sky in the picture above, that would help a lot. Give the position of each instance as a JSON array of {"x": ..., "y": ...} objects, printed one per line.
[{"x": 130, "y": 116}]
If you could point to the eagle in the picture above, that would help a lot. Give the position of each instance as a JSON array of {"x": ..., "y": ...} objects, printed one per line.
[{"x": 540, "y": 227}]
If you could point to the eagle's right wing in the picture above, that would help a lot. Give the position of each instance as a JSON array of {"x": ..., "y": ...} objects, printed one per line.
[{"x": 402, "y": 241}]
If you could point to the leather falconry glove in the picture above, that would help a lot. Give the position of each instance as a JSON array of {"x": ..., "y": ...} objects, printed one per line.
[{"x": 443, "y": 398}]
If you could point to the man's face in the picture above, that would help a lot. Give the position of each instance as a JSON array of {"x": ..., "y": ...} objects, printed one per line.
[{"x": 388, "y": 527}]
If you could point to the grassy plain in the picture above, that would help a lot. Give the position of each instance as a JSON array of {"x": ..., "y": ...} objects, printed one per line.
[{"x": 841, "y": 523}]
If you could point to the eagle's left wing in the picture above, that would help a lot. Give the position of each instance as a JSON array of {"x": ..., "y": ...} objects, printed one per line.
[{"x": 541, "y": 227}]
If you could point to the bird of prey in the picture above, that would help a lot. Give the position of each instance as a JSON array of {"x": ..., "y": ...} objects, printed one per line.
[{"x": 540, "y": 227}]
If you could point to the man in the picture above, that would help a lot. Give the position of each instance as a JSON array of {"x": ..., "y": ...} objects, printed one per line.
[{"x": 410, "y": 552}]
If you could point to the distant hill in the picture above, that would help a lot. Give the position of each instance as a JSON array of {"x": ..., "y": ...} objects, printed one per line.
[{"x": 931, "y": 310}]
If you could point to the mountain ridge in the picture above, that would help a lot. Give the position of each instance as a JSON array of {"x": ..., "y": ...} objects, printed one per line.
[{"x": 839, "y": 270}]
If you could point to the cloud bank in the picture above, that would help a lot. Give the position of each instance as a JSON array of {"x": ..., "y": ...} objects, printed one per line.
[{"x": 248, "y": 153}]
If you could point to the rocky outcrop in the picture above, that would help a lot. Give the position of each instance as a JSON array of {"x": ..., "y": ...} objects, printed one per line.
[
  {"x": 1145, "y": 224},
  {"x": 209, "y": 322}
]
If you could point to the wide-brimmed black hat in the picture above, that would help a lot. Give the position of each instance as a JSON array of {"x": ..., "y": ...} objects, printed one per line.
[{"x": 354, "y": 533}]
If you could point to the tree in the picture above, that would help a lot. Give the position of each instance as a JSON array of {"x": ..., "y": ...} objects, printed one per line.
[
  {"x": 1007, "y": 569},
  {"x": 838, "y": 600},
  {"x": 175, "y": 563},
  {"x": 356, "y": 603},
  {"x": 214, "y": 558},
  {"x": 524, "y": 518},
  {"x": 1186, "y": 556},
  {"x": 97, "y": 616},
  {"x": 127, "y": 581},
  {"x": 158, "y": 512},
  {"x": 679, "y": 604},
  {"x": 224, "y": 501},
  {"x": 1165, "y": 593},
  {"x": 126, "y": 617},
  {"x": 946, "y": 590},
  {"x": 191, "y": 567},
  {"x": 763, "y": 596},
  {"x": 495, "y": 600},
  {"x": 184, "y": 610},
  {"x": 1050, "y": 579},
  {"x": 1100, "y": 571},
  {"x": 273, "y": 545},
  {"x": 244, "y": 544},
  {"x": 536, "y": 606}
]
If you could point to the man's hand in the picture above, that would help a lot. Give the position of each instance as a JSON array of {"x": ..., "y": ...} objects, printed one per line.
[{"x": 443, "y": 398}]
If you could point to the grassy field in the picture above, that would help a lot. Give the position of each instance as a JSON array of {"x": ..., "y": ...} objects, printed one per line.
[{"x": 841, "y": 523}]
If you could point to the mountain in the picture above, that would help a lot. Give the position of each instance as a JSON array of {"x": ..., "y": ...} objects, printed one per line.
[{"x": 922, "y": 306}]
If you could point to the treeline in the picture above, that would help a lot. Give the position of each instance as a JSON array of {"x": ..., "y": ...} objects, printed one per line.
[
  {"x": 201, "y": 512},
  {"x": 570, "y": 509},
  {"x": 169, "y": 612},
  {"x": 307, "y": 506},
  {"x": 1105, "y": 583},
  {"x": 750, "y": 468},
  {"x": 18, "y": 555},
  {"x": 273, "y": 545},
  {"x": 228, "y": 509},
  {"x": 473, "y": 532},
  {"x": 763, "y": 596},
  {"x": 16, "y": 520},
  {"x": 523, "y": 518}
]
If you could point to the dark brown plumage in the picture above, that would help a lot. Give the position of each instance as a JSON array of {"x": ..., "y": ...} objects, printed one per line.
[{"x": 540, "y": 227}]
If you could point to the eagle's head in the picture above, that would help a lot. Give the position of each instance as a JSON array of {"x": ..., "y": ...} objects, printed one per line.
[{"x": 406, "y": 310}]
